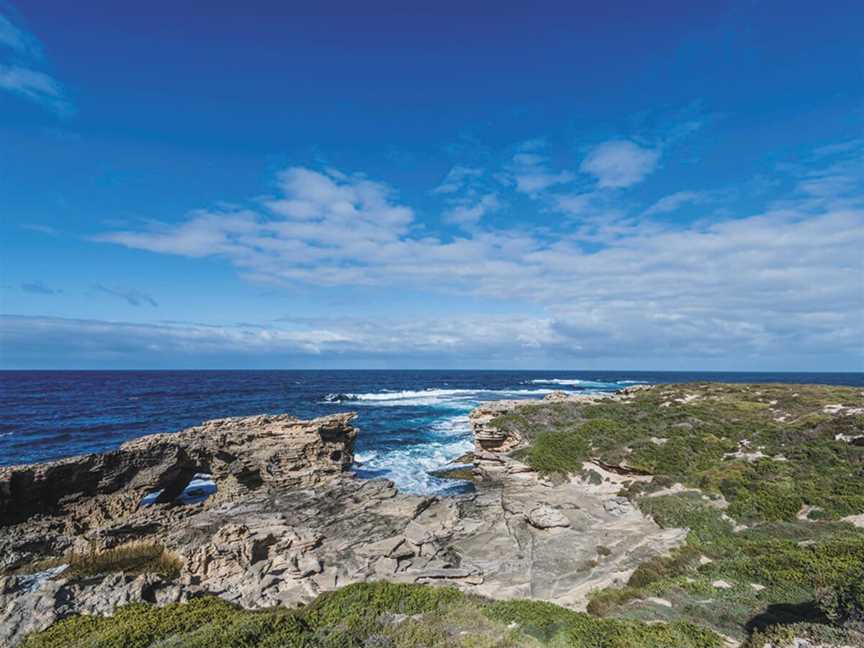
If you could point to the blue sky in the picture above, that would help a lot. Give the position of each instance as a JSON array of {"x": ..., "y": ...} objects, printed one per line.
[{"x": 432, "y": 185}]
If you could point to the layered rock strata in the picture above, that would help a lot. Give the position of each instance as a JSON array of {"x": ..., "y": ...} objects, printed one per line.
[{"x": 288, "y": 522}]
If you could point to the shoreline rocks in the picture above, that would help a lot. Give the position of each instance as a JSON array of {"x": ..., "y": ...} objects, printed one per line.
[
  {"x": 241, "y": 453},
  {"x": 288, "y": 522}
]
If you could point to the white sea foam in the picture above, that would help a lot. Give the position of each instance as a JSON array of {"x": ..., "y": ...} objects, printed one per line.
[
  {"x": 575, "y": 382},
  {"x": 445, "y": 438},
  {"x": 451, "y": 398},
  {"x": 409, "y": 466},
  {"x": 363, "y": 457}
]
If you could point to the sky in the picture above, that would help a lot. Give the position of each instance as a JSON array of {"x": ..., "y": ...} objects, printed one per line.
[{"x": 621, "y": 185}]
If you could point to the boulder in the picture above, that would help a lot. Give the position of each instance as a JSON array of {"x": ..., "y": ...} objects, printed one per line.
[{"x": 546, "y": 517}]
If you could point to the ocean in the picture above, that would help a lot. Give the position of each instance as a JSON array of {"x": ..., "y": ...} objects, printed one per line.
[{"x": 411, "y": 422}]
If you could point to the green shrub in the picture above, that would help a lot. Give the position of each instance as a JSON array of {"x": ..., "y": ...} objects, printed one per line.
[
  {"x": 662, "y": 568},
  {"x": 200, "y": 623},
  {"x": 689, "y": 511},
  {"x": 843, "y": 603},
  {"x": 348, "y": 614},
  {"x": 784, "y": 636},
  {"x": 557, "y": 451},
  {"x": 365, "y": 614},
  {"x": 551, "y": 623},
  {"x": 603, "y": 601}
]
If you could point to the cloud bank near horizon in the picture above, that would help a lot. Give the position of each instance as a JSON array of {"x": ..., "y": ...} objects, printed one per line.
[{"x": 608, "y": 283}]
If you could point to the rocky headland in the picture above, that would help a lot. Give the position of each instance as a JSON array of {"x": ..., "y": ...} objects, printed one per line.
[{"x": 655, "y": 504}]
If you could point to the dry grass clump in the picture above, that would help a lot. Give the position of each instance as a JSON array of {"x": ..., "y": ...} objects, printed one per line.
[{"x": 140, "y": 557}]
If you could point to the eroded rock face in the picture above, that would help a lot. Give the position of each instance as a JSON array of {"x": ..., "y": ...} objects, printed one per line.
[
  {"x": 241, "y": 453},
  {"x": 489, "y": 437},
  {"x": 288, "y": 523}
]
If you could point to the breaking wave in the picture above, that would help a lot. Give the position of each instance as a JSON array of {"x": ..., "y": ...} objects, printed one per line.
[
  {"x": 586, "y": 384},
  {"x": 431, "y": 397},
  {"x": 409, "y": 466}
]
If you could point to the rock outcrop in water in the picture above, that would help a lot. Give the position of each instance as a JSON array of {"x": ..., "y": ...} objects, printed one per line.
[{"x": 288, "y": 522}]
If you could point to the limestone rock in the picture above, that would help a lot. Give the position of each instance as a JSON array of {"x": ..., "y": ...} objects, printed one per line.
[
  {"x": 278, "y": 450},
  {"x": 556, "y": 396},
  {"x": 546, "y": 517}
]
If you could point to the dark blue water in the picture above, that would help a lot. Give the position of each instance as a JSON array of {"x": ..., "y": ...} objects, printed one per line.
[{"x": 410, "y": 421}]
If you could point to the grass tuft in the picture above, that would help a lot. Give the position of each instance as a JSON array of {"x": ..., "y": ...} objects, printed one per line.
[{"x": 132, "y": 558}]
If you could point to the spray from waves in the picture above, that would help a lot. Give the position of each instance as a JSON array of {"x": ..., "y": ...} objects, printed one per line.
[{"x": 409, "y": 466}]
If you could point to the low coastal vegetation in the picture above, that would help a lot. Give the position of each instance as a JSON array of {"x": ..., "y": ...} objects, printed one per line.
[
  {"x": 384, "y": 615},
  {"x": 768, "y": 480},
  {"x": 761, "y": 475}
]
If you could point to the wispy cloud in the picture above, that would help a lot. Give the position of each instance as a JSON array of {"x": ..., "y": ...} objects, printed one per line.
[
  {"x": 131, "y": 296},
  {"x": 619, "y": 163},
  {"x": 22, "y": 69},
  {"x": 18, "y": 40},
  {"x": 39, "y": 288},
  {"x": 34, "y": 85},
  {"x": 458, "y": 178},
  {"x": 531, "y": 172},
  {"x": 675, "y": 201},
  {"x": 42, "y": 229}
]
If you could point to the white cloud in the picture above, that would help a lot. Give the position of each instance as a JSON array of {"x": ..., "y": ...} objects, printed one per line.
[
  {"x": 619, "y": 163},
  {"x": 788, "y": 277},
  {"x": 573, "y": 204},
  {"x": 32, "y": 84},
  {"x": 674, "y": 201},
  {"x": 471, "y": 214},
  {"x": 354, "y": 335},
  {"x": 531, "y": 173}
]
